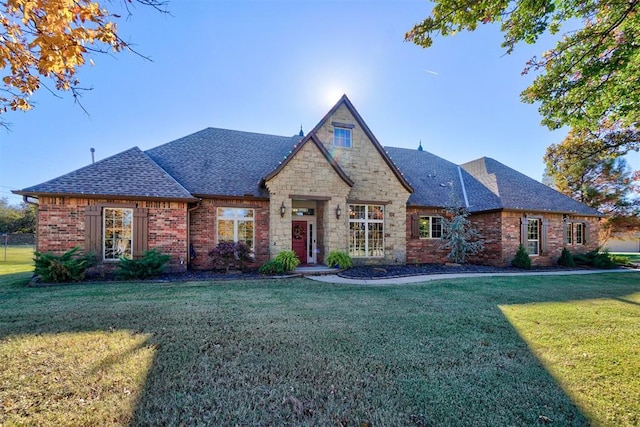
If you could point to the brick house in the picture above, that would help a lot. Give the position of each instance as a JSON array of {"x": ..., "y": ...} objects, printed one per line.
[{"x": 335, "y": 188}]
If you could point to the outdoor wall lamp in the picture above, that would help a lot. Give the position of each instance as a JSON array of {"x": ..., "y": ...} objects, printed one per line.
[
  {"x": 338, "y": 212},
  {"x": 283, "y": 210}
]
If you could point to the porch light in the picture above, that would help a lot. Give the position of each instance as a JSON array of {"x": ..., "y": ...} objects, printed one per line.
[
  {"x": 338, "y": 212},
  {"x": 283, "y": 210}
]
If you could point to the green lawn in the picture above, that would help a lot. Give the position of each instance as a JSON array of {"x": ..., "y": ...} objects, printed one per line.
[{"x": 490, "y": 351}]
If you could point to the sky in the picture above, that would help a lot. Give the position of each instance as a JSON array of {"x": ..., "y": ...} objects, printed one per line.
[{"x": 273, "y": 66}]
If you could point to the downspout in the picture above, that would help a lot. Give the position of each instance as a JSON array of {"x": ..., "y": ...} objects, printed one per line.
[
  {"x": 198, "y": 203},
  {"x": 27, "y": 201},
  {"x": 464, "y": 190}
]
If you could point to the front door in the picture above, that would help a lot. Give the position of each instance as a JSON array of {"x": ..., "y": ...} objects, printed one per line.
[{"x": 299, "y": 239}]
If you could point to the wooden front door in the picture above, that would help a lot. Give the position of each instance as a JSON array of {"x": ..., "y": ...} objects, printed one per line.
[{"x": 299, "y": 239}]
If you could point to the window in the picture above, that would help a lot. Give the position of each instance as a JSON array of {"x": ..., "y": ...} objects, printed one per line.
[
  {"x": 366, "y": 230},
  {"x": 569, "y": 231},
  {"x": 533, "y": 236},
  {"x": 118, "y": 233},
  {"x": 580, "y": 235},
  {"x": 236, "y": 225},
  {"x": 341, "y": 137},
  {"x": 430, "y": 227}
]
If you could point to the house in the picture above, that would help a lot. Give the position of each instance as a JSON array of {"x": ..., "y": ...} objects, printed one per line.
[{"x": 335, "y": 188}]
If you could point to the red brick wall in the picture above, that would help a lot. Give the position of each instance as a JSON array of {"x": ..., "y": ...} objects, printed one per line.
[
  {"x": 203, "y": 229},
  {"x": 61, "y": 225},
  {"x": 500, "y": 233}
]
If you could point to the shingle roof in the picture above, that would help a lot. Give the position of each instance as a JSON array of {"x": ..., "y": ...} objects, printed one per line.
[
  {"x": 433, "y": 179},
  {"x": 514, "y": 190},
  {"x": 130, "y": 173},
  {"x": 223, "y": 162}
]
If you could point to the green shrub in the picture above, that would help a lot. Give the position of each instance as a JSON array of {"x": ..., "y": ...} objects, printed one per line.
[
  {"x": 288, "y": 259},
  {"x": 151, "y": 264},
  {"x": 522, "y": 259},
  {"x": 566, "y": 259},
  {"x": 272, "y": 267},
  {"x": 596, "y": 259},
  {"x": 68, "y": 267},
  {"x": 339, "y": 259},
  {"x": 620, "y": 259}
]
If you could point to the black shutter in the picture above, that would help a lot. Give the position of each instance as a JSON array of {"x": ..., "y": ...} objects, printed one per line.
[
  {"x": 523, "y": 231},
  {"x": 544, "y": 232}
]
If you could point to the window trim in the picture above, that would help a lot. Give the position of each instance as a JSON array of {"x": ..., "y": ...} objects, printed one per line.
[
  {"x": 348, "y": 132},
  {"x": 581, "y": 232},
  {"x": 432, "y": 223},
  {"x": 104, "y": 232},
  {"x": 364, "y": 224},
  {"x": 538, "y": 241},
  {"x": 235, "y": 220},
  {"x": 568, "y": 233}
]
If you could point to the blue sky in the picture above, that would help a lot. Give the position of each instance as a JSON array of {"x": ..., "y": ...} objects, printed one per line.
[{"x": 271, "y": 66}]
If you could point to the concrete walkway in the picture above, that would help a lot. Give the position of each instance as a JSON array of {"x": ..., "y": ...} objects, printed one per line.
[{"x": 334, "y": 278}]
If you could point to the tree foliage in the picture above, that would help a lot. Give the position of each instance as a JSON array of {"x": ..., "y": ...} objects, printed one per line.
[
  {"x": 44, "y": 42},
  {"x": 604, "y": 182},
  {"x": 589, "y": 81},
  {"x": 17, "y": 219},
  {"x": 459, "y": 235}
]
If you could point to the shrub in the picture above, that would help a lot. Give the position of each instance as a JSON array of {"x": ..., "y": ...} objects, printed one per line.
[
  {"x": 272, "y": 267},
  {"x": 566, "y": 259},
  {"x": 620, "y": 259},
  {"x": 596, "y": 259},
  {"x": 288, "y": 259},
  {"x": 230, "y": 254},
  {"x": 339, "y": 259},
  {"x": 522, "y": 259},
  {"x": 68, "y": 267},
  {"x": 151, "y": 264}
]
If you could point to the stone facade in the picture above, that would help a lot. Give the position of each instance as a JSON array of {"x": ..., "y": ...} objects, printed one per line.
[
  {"x": 374, "y": 182},
  {"x": 62, "y": 221},
  {"x": 308, "y": 176}
]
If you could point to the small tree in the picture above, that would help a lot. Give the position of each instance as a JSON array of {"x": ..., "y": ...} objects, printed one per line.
[
  {"x": 228, "y": 254},
  {"x": 459, "y": 235},
  {"x": 521, "y": 259}
]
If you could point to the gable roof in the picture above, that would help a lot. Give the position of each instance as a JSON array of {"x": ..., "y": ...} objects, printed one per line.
[
  {"x": 437, "y": 180},
  {"x": 130, "y": 173},
  {"x": 514, "y": 190},
  {"x": 222, "y": 162},
  {"x": 314, "y": 139},
  {"x": 347, "y": 103}
]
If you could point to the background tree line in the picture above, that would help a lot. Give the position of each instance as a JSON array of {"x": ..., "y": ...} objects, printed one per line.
[{"x": 17, "y": 219}]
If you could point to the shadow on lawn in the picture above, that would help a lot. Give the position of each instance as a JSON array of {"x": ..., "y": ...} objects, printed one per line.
[{"x": 301, "y": 352}]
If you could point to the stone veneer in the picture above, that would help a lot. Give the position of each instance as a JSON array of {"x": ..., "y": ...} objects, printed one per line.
[
  {"x": 500, "y": 233},
  {"x": 61, "y": 225},
  {"x": 308, "y": 176},
  {"x": 374, "y": 182}
]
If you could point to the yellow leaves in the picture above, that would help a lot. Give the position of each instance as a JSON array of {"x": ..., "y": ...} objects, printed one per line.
[{"x": 49, "y": 38}]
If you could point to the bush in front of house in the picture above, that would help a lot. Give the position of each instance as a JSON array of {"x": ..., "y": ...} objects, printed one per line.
[
  {"x": 150, "y": 265},
  {"x": 68, "y": 267},
  {"x": 289, "y": 260},
  {"x": 339, "y": 259},
  {"x": 596, "y": 259},
  {"x": 272, "y": 267},
  {"x": 522, "y": 259},
  {"x": 566, "y": 259},
  {"x": 230, "y": 254}
]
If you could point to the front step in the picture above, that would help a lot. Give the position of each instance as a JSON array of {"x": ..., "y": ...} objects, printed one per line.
[{"x": 315, "y": 270}]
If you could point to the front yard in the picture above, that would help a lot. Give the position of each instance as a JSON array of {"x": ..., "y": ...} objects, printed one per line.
[{"x": 491, "y": 351}]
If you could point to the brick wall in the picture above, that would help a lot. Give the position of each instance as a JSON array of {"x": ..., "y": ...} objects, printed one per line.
[
  {"x": 500, "y": 233},
  {"x": 203, "y": 229},
  {"x": 61, "y": 225}
]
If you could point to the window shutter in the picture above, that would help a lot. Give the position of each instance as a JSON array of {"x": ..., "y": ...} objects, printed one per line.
[
  {"x": 543, "y": 235},
  {"x": 140, "y": 232},
  {"x": 415, "y": 226},
  {"x": 93, "y": 230},
  {"x": 523, "y": 231},
  {"x": 585, "y": 233},
  {"x": 565, "y": 227}
]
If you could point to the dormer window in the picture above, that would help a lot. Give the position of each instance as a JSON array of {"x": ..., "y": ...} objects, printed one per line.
[{"x": 342, "y": 135}]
